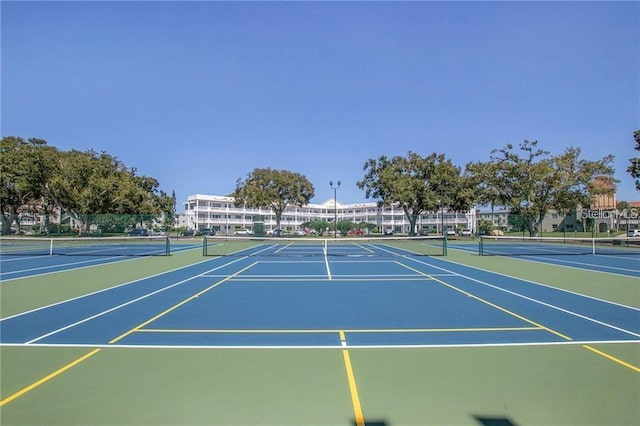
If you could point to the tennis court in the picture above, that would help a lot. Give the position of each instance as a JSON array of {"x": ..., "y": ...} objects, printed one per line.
[{"x": 383, "y": 331}]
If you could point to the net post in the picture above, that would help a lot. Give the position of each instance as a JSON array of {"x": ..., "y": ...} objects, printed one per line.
[
  {"x": 444, "y": 246},
  {"x": 168, "y": 246},
  {"x": 51, "y": 247},
  {"x": 480, "y": 246},
  {"x": 204, "y": 245},
  {"x": 593, "y": 246}
]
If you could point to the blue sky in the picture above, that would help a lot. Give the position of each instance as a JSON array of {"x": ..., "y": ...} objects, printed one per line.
[{"x": 198, "y": 94}]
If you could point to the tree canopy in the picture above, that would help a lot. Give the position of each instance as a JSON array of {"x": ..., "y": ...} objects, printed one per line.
[
  {"x": 26, "y": 167},
  {"x": 78, "y": 183},
  {"x": 417, "y": 184},
  {"x": 531, "y": 182},
  {"x": 634, "y": 163},
  {"x": 274, "y": 189}
]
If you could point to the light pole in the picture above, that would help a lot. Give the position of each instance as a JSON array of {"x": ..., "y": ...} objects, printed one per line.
[{"x": 335, "y": 208}]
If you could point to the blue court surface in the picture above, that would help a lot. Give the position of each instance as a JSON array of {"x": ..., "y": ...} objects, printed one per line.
[{"x": 266, "y": 298}]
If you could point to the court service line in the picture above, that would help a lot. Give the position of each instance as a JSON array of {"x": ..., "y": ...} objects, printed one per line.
[
  {"x": 48, "y": 377},
  {"x": 179, "y": 304},
  {"x": 327, "y": 331},
  {"x": 326, "y": 262},
  {"x": 351, "y": 378},
  {"x": 343, "y": 278}
]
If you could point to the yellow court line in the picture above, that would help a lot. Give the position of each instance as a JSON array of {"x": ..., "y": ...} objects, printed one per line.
[
  {"x": 177, "y": 305},
  {"x": 493, "y": 305},
  {"x": 355, "y": 398},
  {"x": 505, "y": 310},
  {"x": 48, "y": 377},
  {"x": 412, "y": 269},
  {"x": 95, "y": 351},
  {"x": 594, "y": 350},
  {"x": 612, "y": 358},
  {"x": 363, "y": 247}
]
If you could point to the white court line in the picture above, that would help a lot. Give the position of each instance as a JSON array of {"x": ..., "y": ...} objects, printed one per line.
[
  {"x": 593, "y": 266},
  {"x": 111, "y": 259},
  {"x": 326, "y": 261},
  {"x": 338, "y": 346},
  {"x": 64, "y": 265},
  {"x": 103, "y": 290}
]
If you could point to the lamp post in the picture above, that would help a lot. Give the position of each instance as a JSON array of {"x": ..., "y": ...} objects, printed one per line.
[{"x": 335, "y": 208}]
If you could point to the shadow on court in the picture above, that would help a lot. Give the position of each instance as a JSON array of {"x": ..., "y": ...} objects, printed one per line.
[
  {"x": 494, "y": 421},
  {"x": 482, "y": 420}
]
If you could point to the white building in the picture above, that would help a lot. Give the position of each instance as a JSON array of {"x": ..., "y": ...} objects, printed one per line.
[{"x": 219, "y": 213}]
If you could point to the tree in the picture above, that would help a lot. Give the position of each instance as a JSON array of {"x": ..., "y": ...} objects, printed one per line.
[
  {"x": 417, "y": 184},
  {"x": 483, "y": 177},
  {"x": 274, "y": 189},
  {"x": 26, "y": 166},
  {"x": 39, "y": 178},
  {"x": 320, "y": 226},
  {"x": 532, "y": 183},
  {"x": 89, "y": 183},
  {"x": 634, "y": 167},
  {"x": 167, "y": 204},
  {"x": 344, "y": 226}
]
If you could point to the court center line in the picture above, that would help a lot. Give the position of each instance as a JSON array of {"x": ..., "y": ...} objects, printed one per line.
[
  {"x": 351, "y": 378},
  {"x": 326, "y": 262},
  {"x": 177, "y": 305},
  {"x": 48, "y": 377}
]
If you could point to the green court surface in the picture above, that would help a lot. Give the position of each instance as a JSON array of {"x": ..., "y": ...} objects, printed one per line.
[
  {"x": 561, "y": 383},
  {"x": 540, "y": 385}
]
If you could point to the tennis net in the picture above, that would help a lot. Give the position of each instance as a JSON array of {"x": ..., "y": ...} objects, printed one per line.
[
  {"x": 539, "y": 246},
  {"x": 86, "y": 246},
  {"x": 306, "y": 246}
]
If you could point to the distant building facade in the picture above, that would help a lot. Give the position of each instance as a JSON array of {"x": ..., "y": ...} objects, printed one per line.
[{"x": 220, "y": 213}]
